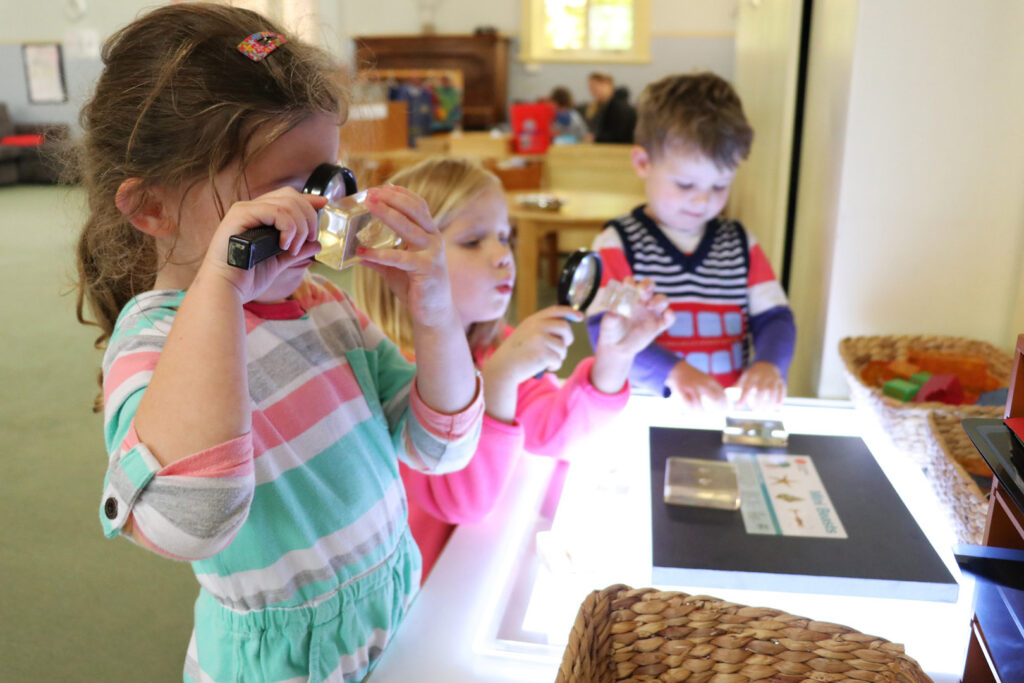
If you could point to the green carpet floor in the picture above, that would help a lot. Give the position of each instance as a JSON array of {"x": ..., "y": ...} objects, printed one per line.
[{"x": 76, "y": 606}]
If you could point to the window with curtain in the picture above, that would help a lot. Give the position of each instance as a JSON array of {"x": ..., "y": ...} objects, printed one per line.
[{"x": 586, "y": 31}]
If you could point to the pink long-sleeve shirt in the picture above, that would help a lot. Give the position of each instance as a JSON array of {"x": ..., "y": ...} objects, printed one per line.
[{"x": 548, "y": 417}]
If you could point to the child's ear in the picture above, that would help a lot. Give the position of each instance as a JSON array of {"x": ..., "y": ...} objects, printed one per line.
[
  {"x": 144, "y": 209},
  {"x": 641, "y": 161}
]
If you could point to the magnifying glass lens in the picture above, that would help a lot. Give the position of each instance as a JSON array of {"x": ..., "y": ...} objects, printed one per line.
[
  {"x": 260, "y": 243},
  {"x": 580, "y": 279},
  {"x": 582, "y": 284},
  {"x": 336, "y": 188}
]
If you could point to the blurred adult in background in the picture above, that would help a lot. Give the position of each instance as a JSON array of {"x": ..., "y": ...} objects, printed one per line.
[
  {"x": 610, "y": 116},
  {"x": 569, "y": 126}
]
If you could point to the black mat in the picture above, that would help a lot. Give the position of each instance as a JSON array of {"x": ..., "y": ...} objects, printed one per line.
[{"x": 885, "y": 555}]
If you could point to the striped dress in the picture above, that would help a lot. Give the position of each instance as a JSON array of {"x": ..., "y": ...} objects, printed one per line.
[
  {"x": 724, "y": 295},
  {"x": 296, "y": 531}
]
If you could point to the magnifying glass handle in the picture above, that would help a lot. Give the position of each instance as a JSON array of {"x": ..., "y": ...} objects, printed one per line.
[{"x": 253, "y": 246}]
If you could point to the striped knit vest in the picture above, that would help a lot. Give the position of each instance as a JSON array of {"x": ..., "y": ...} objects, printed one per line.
[{"x": 707, "y": 290}]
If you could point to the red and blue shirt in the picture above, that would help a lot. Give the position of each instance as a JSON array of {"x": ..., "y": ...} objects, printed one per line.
[{"x": 725, "y": 296}]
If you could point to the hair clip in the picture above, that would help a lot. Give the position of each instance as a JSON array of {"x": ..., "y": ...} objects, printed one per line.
[{"x": 259, "y": 45}]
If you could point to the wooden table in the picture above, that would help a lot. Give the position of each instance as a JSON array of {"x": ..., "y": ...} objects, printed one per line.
[{"x": 581, "y": 210}]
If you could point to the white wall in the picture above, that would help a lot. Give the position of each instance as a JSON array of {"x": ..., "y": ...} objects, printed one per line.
[
  {"x": 767, "y": 61},
  {"x": 929, "y": 225}
]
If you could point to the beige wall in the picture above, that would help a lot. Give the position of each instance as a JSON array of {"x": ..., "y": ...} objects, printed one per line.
[
  {"x": 825, "y": 106},
  {"x": 767, "y": 55},
  {"x": 929, "y": 218}
]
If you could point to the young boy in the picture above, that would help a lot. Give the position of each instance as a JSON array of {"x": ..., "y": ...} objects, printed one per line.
[{"x": 691, "y": 134}]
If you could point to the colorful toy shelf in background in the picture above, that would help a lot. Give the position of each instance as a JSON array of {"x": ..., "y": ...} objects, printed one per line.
[
  {"x": 434, "y": 97},
  {"x": 930, "y": 376}
]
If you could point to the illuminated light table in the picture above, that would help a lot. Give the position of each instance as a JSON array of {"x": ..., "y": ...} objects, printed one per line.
[{"x": 492, "y": 610}]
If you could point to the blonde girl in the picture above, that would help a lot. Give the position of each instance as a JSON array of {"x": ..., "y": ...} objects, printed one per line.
[{"x": 523, "y": 412}]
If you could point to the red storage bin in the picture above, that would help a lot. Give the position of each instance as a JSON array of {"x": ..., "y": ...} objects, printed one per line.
[{"x": 531, "y": 127}]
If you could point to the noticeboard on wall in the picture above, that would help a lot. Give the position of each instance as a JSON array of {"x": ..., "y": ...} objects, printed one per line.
[{"x": 44, "y": 73}]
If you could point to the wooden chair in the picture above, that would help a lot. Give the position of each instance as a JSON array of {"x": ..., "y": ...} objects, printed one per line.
[
  {"x": 480, "y": 145},
  {"x": 591, "y": 167}
]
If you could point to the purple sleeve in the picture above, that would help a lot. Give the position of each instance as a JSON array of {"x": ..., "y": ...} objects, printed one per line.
[
  {"x": 651, "y": 366},
  {"x": 774, "y": 333}
]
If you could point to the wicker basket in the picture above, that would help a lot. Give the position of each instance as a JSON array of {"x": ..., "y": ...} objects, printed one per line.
[
  {"x": 622, "y": 634},
  {"x": 949, "y": 451},
  {"x": 907, "y": 423}
]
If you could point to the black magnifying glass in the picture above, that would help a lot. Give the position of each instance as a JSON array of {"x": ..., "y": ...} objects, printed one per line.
[
  {"x": 258, "y": 244},
  {"x": 579, "y": 280}
]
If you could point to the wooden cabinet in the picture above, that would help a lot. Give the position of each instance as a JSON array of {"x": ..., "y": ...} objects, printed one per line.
[
  {"x": 1004, "y": 529},
  {"x": 995, "y": 652},
  {"x": 482, "y": 58}
]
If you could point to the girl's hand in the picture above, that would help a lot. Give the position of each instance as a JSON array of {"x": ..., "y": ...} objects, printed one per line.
[
  {"x": 293, "y": 214},
  {"x": 538, "y": 343},
  {"x": 418, "y": 273},
  {"x": 650, "y": 317},
  {"x": 761, "y": 386},
  {"x": 621, "y": 338},
  {"x": 697, "y": 390}
]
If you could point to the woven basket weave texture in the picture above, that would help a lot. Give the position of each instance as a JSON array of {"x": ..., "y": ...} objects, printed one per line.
[
  {"x": 625, "y": 634},
  {"x": 907, "y": 423},
  {"x": 964, "y": 502}
]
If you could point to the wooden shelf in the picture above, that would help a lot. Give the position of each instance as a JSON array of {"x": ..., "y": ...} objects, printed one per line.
[
  {"x": 1004, "y": 528},
  {"x": 482, "y": 58}
]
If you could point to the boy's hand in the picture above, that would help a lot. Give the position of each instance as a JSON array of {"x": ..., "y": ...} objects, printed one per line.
[
  {"x": 620, "y": 338},
  {"x": 697, "y": 390},
  {"x": 761, "y": 386},
  {"x": 418, "y": 273}
]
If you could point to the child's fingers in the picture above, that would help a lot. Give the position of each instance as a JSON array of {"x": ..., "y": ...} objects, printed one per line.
[
  {"x": 561, "y": 330},
  {"x": 300, "y": 208},
  {"x": 245, "y": 215},
  {"x": 309, "y": 249},
  {"x": 780, "y": 393},
  {"x": 711, "y": 391},
  {"x": 560, "y": 312},
  {"x": 691, "y": 399},
  {"x": 554, "y": 353},
  {"x": 666, "y": 319},
  {"x": 392, "y": 258},
  {"x": 411, "y": 204},
  {"x": 411, "y": 233},
  {"x": 746, "y": 391},
  {"x": 646, "y": 289},
  {"x": 658, "y": 304},
  {"x": 407, "y": 209}
]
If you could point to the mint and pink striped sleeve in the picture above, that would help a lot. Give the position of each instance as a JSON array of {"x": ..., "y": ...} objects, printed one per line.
[{"x": 191, "y": 508}]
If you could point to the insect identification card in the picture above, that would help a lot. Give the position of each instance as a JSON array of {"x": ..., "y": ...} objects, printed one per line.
[{"x": 783, "y": 496}]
